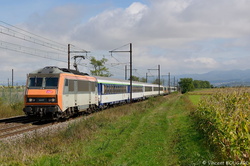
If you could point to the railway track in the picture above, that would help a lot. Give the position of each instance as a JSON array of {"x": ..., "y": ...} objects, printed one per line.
[
  {"x": 13, "y": 119},
  {"x": 19, "y": 125}
]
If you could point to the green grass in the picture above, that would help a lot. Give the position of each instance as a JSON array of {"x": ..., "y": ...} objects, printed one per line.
[
  {"x": 10, "y": 109},
  {"x": 11, "y": 101},
  {"x": 159, "y": 131},
  {"x": 195, "y": 99}
]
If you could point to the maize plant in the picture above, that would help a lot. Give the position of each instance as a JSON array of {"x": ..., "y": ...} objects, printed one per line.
[{"x": 224, "y": 118}]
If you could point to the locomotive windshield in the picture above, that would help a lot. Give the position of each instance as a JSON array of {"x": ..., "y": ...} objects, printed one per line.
[
  {"x": 43, "y": 82},
  {"x": 36, "y": 82},
  {"x": 51, "y": 82}
]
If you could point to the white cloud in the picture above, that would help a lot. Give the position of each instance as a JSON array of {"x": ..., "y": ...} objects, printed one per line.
[
  {"x": 56, "y": 22},
  {"x": 201, "y": 61},
  {"x": 167, "y": 23},
  {"x": 182, "y": 35}
]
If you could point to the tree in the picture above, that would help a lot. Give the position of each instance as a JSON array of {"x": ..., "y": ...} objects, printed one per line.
[
  {"x": 99, "y": 68},
  {"x": 156, "y": 81},
  {"x": 134, "y": 78},
  {"x": 186, "y": 85},
  {"x": 196, "y": 84},
  {"x": 201, "y": 84},
  {"x": 142, "y": 79}
]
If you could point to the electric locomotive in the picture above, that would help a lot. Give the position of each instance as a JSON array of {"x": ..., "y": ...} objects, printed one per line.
[{"x": 54, "y": 93}]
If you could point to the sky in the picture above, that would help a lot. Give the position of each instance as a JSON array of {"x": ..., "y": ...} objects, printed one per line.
[{"x": 182, "y": 36}]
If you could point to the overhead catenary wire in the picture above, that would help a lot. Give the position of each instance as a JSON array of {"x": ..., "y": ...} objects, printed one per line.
[
  {"x": 57, "y": 53},
  {"x": 29, "y": 50},
  {"x": 21, "y": 34},
  {"x": 31, "y": 33},
  {"x": 78, "y": 49},
  {"x": 120, "y": 47}
]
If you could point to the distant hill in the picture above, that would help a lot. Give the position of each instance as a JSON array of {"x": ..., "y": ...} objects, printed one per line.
[{"x": 223, "y": 78}]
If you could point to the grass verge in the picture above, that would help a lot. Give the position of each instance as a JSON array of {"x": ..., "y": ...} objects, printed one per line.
[
  {"x": 158, "y": 131},
  {"x": 10, "y": 109}
]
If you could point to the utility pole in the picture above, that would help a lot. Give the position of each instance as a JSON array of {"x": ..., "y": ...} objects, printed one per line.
[
  {"x": 169, "y": 88},
  {"x": 12, "y": 81},
  {"x": 177, "y": 86},
  {"x": 174, "y": 82},
  {"x": 159, "y": 77},
  {"x": 131, "y": 87},
  {"x": 68, "y": 56},
  {"x": 125, "y": 72},
  {"x": 130, "y": 51}
]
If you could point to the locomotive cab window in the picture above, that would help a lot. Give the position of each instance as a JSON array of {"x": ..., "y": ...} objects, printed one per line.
[
  {"x": 51, "y": 82},
  {"x": 43, "y": 82},
  {"x": 35, "y": 82}
]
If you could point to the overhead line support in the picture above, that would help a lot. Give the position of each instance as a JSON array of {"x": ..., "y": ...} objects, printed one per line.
[{"x": 130, "y": 51}]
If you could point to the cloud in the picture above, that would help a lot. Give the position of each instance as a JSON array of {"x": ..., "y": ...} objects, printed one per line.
[
  {"x": 56, "y": 22},
  {"x": 112, "y": 25},
  {"x": 202, "y": 61},
  {"x": 167, "y": 23},
  {"x": 193, "y": 31},
  {"x": 183, "y": 36}
]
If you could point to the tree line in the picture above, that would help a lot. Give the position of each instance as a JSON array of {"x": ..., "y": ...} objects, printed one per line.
[{"x": 188, "y": 84}]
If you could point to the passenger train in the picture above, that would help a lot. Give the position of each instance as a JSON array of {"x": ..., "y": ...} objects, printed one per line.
[{"x": 54, "y": 93}]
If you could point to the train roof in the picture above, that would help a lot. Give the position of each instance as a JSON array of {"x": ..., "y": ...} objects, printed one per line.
[
  {"x": 120, "y": 81},
  {"x": 56, "y": 70},
  {"x": 109, "y": 80}
]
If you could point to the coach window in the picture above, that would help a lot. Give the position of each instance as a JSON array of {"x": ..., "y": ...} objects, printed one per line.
[
  {"x": 107, "y": 91},
  {"x": 103, "y": 89}
]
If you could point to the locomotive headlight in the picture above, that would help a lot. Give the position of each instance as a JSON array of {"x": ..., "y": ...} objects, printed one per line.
[
  {"x": 31, "y": 99},
  {"x": 51, "y": 100}
]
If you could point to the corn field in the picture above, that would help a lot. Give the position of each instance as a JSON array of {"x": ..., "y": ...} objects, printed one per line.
[{"x": 224, "y": 118}]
